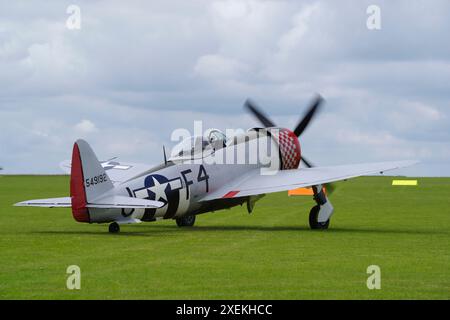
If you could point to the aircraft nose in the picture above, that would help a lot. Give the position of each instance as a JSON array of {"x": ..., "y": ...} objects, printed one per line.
[{"x": 290, "y": 150}]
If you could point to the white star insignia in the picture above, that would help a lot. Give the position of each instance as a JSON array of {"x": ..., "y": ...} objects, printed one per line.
[{"x": 159, "y": 189}]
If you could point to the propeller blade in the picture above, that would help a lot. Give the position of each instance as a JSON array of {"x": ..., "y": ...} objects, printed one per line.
[
  {"x": 256, "y": 111},
  {"x": 307, "y": 163},
  {"x": 308, "y": 116}
]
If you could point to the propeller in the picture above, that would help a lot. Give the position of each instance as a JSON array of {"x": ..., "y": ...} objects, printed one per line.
[
  {"x": 314, "y": 106},
  {"x": 301, "y": 126},
  {"x": 307, "y": 163},
  {"x": 253, "y": 108}
]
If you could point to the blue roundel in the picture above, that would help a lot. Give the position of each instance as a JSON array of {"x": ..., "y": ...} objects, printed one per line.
[
  {"x": 150, "y": 183},
  {"x": 159, "y": 189}
]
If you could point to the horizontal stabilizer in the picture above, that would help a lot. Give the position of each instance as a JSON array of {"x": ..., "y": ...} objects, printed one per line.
[
  {"x": 47, "y": 203},
  {"x": 117, "y": 171},
  {"x": 112, "y": 202},
  {"x": 125, "y": 203}
]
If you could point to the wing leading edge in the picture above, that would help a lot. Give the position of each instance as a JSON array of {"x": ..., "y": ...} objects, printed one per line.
[{"x": 255, "y": 183}]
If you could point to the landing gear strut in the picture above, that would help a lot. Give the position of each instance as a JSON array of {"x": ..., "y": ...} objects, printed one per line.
[
  {"x": 251, "y": 202},
  {"x": 319, "y": 216},
  {"x": 114, "y": 228},
  {"x": 186, "y": 221}
]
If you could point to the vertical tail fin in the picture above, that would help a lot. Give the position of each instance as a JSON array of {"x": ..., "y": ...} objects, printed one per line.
[{"x": 88, "y": 180}]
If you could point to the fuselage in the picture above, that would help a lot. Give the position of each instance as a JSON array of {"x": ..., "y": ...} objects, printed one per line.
[{"x": 182, "y": 183}]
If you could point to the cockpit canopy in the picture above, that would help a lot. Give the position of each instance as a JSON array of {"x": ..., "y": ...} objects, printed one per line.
[
  {"x": 196, "y": 147},
  {"x": 216, "y": 138},
  {"x": 190, "y": 147}
]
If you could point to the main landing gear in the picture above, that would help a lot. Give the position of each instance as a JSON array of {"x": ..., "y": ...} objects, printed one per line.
[
  {"x": 114, "y": 228},
  {"x": 319, "y": 216},
  {"x": 186, "y": 221},
  {"x": 313, "y": 216}
]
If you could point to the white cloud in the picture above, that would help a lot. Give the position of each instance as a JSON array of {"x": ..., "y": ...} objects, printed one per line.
[
  {"x": 218, "y": 67},
  {"x": 426, "y": 112},
  {"x": 294, "y": 37},
  {"x": 85, "y": 127}
]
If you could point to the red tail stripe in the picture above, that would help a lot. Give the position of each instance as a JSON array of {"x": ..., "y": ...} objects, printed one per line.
[{"x": 78, "y": 194}]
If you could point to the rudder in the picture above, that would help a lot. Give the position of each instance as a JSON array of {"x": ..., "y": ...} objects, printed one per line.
[{"x": 88, "y": 180}]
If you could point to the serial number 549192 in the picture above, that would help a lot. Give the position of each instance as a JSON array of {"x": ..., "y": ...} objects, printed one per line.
[{"x": 96, "y": 180}]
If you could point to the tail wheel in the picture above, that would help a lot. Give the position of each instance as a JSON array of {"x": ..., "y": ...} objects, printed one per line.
[
  {"x": 114, "y": 228},
  {"x": 313, "y": 216},
  {"x": 186, "y": 221}
]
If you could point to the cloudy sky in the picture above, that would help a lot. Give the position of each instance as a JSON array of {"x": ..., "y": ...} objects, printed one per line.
[{"x": 137, "y": 70}]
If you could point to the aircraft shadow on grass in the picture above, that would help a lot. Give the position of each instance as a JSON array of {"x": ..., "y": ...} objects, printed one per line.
[{"x": 173, "y": 230}]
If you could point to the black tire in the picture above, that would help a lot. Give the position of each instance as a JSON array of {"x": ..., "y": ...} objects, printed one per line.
[
  {"x": 186, "y": 221},
  {"x": 313, "y": 223},
  {"x": 114, "y": 228}
]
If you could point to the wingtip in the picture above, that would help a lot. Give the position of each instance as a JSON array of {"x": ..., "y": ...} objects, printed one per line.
[{"x": 412, "y": 162}]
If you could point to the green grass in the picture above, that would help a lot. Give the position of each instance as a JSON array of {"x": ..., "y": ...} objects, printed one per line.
[{"x": 270, "y": 254}]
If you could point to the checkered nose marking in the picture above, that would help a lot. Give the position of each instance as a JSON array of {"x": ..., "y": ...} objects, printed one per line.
[{"x": 290, "y": 149}]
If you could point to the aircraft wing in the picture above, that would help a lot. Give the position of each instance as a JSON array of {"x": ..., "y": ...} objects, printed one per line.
[
  {"x": 110, "y": 202},
  {"x": 254, "y": 183},
  {"x": 117, "y": 171}
]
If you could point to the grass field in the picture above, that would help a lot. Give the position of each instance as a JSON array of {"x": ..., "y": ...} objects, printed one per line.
[{"x": 270, "y": 254}]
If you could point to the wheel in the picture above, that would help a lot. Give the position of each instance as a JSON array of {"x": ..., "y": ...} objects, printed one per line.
[
  {"x": 186, "y": 221},
  {"x": 114, "y": 227},
  {"x": 313, "y": 216}
]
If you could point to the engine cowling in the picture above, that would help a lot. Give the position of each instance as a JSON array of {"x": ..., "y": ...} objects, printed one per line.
[{"x": 290, "y": 150}]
